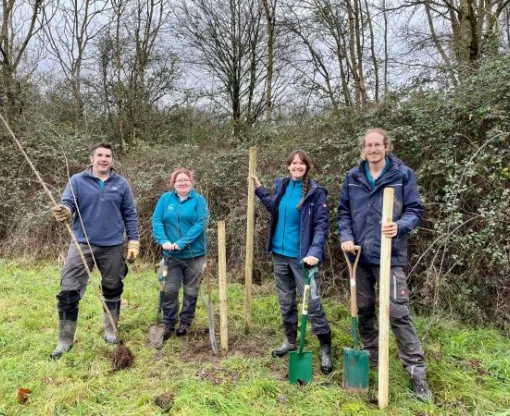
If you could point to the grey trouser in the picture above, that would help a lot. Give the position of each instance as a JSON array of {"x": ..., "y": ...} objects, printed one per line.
[
  {"x": 188, "y": 273},
  {"x": 401, "y": 321},
  {"x": 288, "y": 278},
  {"x": 74, "y": 278}
]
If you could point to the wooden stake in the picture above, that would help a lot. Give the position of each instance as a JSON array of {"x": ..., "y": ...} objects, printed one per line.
[
  {"x": 250, "y": 219},
  {"x": 222, "y": 279},
  {"x": 384, "y": 301}
]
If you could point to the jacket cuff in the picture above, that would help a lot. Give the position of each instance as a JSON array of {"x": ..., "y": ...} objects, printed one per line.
[
  {"x": 315, "y": 252},
  {"x": 346, "y": 237},
  {"x": 260, "y": 191}
]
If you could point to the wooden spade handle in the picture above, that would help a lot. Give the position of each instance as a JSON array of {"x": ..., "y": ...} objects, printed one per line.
[{"x": 352, "y": 280}]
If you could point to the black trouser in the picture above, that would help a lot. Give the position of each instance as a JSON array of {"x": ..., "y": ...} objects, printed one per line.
[
  {"x": 409, "y": 346},
  {"x": 188, "y": 274},
  {"x": 288, "y": 278}
]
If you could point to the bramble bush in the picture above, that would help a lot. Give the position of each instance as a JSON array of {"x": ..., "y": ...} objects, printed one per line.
[{"x": 458, "y": 144}]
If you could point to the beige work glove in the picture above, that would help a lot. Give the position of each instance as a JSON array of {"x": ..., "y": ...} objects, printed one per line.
[
  {"x": 133, "y": 249},
  {"x": 61, "y": 213}
]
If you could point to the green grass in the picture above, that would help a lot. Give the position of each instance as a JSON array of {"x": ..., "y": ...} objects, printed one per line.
[{"x": 468, "y": 368}]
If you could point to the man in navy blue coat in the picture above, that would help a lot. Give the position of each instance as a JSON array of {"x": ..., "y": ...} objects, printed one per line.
[{"x": 359, "y": 222}]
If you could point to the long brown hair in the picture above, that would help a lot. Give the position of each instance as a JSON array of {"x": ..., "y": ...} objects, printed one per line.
[{"x": 306, "y": 179}]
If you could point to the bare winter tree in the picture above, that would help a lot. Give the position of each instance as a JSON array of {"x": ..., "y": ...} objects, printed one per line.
[
  {"x": 137, "y": 67},
  {"x": 460, "y": 31},
  {"x": 335, "y": 59},
  {"x": 20, "y": 24},
  {"x": 67, "y": 37},
  {"x": 270, "y": 13},
  {"x": 226, "y": 38}
]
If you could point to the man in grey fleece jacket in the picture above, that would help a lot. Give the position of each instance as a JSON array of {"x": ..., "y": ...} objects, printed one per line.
[{"x": 103, "y": 207}]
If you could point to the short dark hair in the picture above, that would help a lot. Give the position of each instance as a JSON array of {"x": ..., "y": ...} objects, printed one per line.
[{"x": 104, "y": 146}]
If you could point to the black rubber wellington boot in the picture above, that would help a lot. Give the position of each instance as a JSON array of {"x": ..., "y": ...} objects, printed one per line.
[
  {"x": 325, "y": 353},
  {"x": 66, "y": 332},
  {"x": 109, "y": 331}
]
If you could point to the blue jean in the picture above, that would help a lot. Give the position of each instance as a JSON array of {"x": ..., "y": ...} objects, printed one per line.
[
  {"x": 288, "y": 278},
  {"x": 187, "y": 273}
]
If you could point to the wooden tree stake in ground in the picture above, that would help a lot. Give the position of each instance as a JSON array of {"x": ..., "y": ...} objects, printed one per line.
[
  {"x": 250, "y": 219},
  {"x": 222, "y": 279},
  {"x": 384, "y": 301}
]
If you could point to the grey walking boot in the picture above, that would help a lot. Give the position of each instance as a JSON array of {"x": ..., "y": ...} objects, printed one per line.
[
  {"x": 66, "y": 331},
  {"x": 285, "y": 348},
  {"x": 109, "y": 331},
  {"x": 325, "y": 353}
]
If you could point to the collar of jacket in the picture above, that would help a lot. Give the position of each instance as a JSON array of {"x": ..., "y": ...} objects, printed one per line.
[
  {"x": 282, "y": 183},
  {"x": 392, "y": 170},
  {"x": 192, "y": 194},
  {"x": 88, "y": 172}
]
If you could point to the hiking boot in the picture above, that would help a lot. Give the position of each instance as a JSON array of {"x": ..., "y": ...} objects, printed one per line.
[
  {"x": 110, "y": 333},
  {"x": 421, "y": 390},
  {"x": 169, "y": 330},
  {"x": 183, "y": 329},
  {"x": 66, "y": 331},
  {"x": 284, "y": 349}
]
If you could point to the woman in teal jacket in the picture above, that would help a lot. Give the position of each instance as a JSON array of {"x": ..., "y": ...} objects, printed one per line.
[{"x": 179, "y": 224}]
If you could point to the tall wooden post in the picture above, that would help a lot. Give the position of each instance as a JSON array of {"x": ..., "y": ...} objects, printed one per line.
[
  {"x": 384, "y": 302},
  {"x": 250, "y": 219},
  {"x": 222, "y": 279}
]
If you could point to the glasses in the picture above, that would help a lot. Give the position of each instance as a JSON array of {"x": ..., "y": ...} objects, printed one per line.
[
  {"x": 375, "y": 145},
  {"x": 183, "y": 181}
]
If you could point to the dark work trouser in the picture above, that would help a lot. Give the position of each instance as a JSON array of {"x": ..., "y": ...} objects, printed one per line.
[
  {"x": 188, "y": 273},
  {"x": 288, "y": 278},
  {"x": 74, "y": 278},
  {"x": 408, "y": 344}
]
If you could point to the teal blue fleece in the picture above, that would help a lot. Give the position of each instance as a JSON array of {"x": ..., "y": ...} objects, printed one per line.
[
  {"x": 373, "y": 182},
  {"x": 182, "y": 222},
  {"x": 286, "y": 236}
]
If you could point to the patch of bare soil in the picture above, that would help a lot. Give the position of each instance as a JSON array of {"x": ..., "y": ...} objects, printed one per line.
[
  {"x": 155, "y": 336},
  {"x": 198, "y": 347},
  {"x": 219, "y": 375}
]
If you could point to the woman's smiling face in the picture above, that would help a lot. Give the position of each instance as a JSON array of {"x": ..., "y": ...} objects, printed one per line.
[{"x": 297, "y": 168}]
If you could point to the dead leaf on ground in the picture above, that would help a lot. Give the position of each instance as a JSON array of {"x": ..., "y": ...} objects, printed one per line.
[{"x": 23, "y": 394}]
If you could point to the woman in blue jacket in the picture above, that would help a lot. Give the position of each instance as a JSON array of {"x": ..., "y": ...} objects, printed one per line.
[
  {"x": 179, "y": 224},
  {"x": 298, "y": 233}
]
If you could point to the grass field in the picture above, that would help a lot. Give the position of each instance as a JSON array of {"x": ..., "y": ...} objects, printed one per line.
[{"x": 468, "y": 368}]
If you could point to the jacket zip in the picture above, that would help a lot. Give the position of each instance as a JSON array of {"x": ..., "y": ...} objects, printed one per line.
[
  {"x": 308, "y": 195},
  {"x": 179, "y": 218}
]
